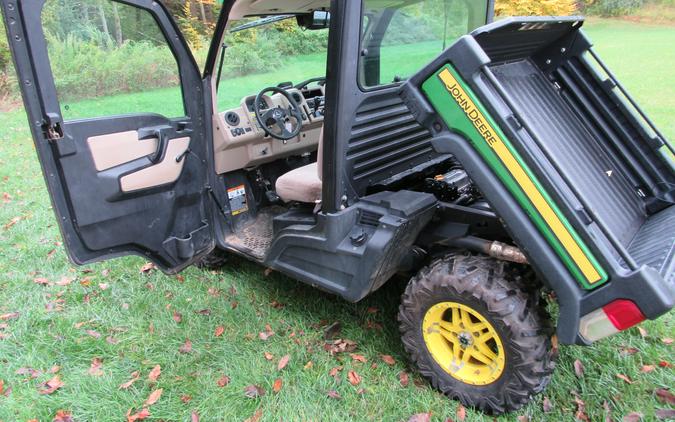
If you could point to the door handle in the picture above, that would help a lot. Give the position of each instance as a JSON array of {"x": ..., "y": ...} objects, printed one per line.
[{"x": 161, "y": 133}]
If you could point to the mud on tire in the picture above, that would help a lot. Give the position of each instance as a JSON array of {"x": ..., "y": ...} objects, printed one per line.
[{"x": 491, "y": 288}]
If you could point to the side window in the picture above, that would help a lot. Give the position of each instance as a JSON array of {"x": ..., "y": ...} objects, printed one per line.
[
  {"x": 398, "y": 41},
  {"x": 109, "y": 58}
]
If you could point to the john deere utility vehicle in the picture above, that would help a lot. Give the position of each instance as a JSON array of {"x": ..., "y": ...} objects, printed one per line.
[{"x": 489, "y": 160}]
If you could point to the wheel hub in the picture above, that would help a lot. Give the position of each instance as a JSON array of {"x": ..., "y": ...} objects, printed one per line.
[{"x": 464, "y": 343}]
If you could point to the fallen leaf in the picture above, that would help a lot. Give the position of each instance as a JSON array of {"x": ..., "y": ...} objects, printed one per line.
[
  {"x": 667, "y": 341},
  {"x": 186, "y": 347},
  {"x": 664, "y": 396},
  {"x": 205, "y": 312},
  {"x": 388, "y": 359},
  {"x": 194, "y": 417},
  {"x": 63, "y": 416},
  {"x": 253, "y": 391},
  {"x": 523, "y": 418},
  {"x": 403, "y": 378},
  {"x": 155, "y": 373},
  {"x": 665, "y": 414},
  {"x": 177, "y": 317},
  {"x": 647, "y": 368},
  {"x": 354, "y": 378},
  {"x": 664, "y": 364},
  {"x": 41, "y": 280},
  {"x": 625, "y": 378},
  {"x": 256, "y": 416},
  {"x": 52, "y": 385},
  {"x": 334, "y": 395},
  {"x": 135, "y": 376},
  {"x": 632, "y": 417},
  {"x": 578, "y": 368},
  {"x": 334, "y": 371},
  {"x": 420, "y": 417},
  {"x": 309, "y": 365},
  {"x": 11, "y": 315},
  {"x": 264, "y": 335},
  {"x": 147, "y": 268},
  {"x": 153, "y": 397},
  {"x": 461, "y": 413},
  {"x": 219, "y": 331},
  {"x": 33, "y": 373},
  {"x": 223, "y": 381},
  {"x": 283, "y": 362},
  {"x": 268, "y": 356},
  {"x": 546, "y": 405},
  {"x": 185, "y": 398},
  {"x": 139, "y": 416},
  {"x": 64, "y": 281},
  {"x": 12, "y": 222},
  {"x": 358, "y": 358},
  {"x": 340, "y": 346},
  {"x": 103, "y": 286},
  {"x": 277, "y": 305},
  {"x": 95, "y": 368},
  {"x": 627, "y": 351},
  {"x": 581, "y": 409},
  {"x": 643, "y": 332},
  {"x": 111, "y": 340},
  {"x": 94, "y": 333},
  {"x": 278, "y": 383},
  {"x": 2, "y": 386}
]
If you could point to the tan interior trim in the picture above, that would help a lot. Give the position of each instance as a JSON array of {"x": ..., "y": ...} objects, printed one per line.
[
  {"x": 115, "y": 149},
  {"x": 165, "y": 172}
]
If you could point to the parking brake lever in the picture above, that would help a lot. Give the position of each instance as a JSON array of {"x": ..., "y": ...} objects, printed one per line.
[{"x": 161, "y": 133}]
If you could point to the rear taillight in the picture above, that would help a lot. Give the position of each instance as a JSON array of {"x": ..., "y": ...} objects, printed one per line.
[{"x": 610, "y": 319}]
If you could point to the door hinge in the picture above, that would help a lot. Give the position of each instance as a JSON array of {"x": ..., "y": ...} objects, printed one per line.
[{"x": 52, "y": 127}]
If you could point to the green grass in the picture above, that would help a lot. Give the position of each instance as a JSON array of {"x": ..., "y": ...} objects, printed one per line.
[{"x": 641, "y": 55}]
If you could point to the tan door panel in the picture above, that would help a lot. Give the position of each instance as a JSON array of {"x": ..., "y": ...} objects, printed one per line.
[
  {"x": 115, "y": 149},
  {"x": 165, "y": 172}
]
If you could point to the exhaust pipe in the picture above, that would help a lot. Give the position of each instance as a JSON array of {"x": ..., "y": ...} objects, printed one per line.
[{"x": 495, "y": 249}]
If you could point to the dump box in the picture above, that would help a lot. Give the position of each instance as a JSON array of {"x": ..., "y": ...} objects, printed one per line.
[{"x": 582, "y": 178}]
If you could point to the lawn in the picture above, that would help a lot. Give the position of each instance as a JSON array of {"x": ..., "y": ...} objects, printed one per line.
[{"x": 95, "y": 326}]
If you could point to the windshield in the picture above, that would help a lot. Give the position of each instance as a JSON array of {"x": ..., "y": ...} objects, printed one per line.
[{"x": 267, "y": 55}]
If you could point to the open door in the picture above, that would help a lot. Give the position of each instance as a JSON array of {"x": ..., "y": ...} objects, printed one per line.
[{"x": 123, "y": 178}]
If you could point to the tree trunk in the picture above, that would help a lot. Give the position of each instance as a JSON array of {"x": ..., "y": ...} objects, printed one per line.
[
  {"x": 118, "y": 25},
  {"x": 104, "y": 23},
  {"x": 201, "y": 10}
]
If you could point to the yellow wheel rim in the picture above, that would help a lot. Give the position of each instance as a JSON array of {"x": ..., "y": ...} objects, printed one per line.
[{"x": 463, "y": 343}]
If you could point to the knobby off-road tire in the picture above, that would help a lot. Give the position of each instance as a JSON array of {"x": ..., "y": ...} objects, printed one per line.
[
  {"x": 490, "y": 288},
  {"x": 213, "y": 261}
]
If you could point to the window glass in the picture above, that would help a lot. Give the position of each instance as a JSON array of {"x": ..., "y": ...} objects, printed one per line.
[
  {"x": 400, "y": 40},
  {"x": 267, "y": 55},
  {"x": 110, "y": 58}
]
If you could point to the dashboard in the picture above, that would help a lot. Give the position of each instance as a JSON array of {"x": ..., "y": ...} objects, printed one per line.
[{"x": 240, "y": 142}]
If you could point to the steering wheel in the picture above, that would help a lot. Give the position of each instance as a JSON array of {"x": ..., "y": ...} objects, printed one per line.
[{"x": 276, "y": 121}]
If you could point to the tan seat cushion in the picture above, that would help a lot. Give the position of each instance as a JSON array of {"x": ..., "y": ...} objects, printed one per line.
[{"x": 301, "y": 185}]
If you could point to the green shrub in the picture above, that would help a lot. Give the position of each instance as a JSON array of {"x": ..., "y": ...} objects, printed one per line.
[
  {"x": 535, "y": 7},
  {"x": 86, "y": 69},
  {"x": 613, "y": 8}
]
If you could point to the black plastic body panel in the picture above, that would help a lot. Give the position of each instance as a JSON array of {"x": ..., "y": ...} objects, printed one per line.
[
  {"x": 593, "y": 150},
  {"x": 355, "y": 251}
]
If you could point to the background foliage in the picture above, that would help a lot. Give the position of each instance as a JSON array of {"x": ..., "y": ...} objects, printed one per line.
[{"x": 104, "y": 48}]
